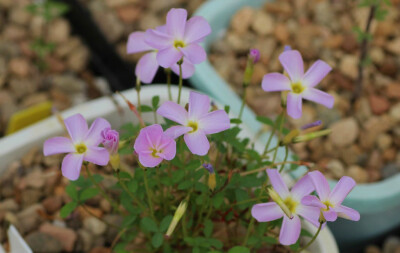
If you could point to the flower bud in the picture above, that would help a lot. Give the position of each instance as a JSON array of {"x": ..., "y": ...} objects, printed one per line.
[
  {"x": 287, "y": 48},
  {"x": 180, "y": 211},
  {"x": 310, "y": 125},
  {"x": 289, "y": 137},
  {"x": 278, "y": 200},
  {"x": 310, "y": 136},
  {"x": 208, "y": 167},
  {"x": 110, "y": 140},
  {"x": 254, "y": 55},
  {"x": 115, "y": 161},
  {"x": 212, "y": 183}
]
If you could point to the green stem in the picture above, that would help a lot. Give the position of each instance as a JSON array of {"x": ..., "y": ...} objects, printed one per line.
[
  {"x": 249, "y": 229},
  {"x": 243, "y": 101},
  {"x": 279, "y": 138},
  {"x": 169, "y": 83},
  {"x": 123, "y": 185},
  {"x": 102, "y": 192},
  {"x": 138, "y": 88},
  {"x": 284, "y": 160},
  {"x": 272, "y": 134},
  {"x": 180, "y": 79},
  {"x": 313, "y": 239},
  {"x": 155, "y": 117},
  {"x": 149, "y": 195}
]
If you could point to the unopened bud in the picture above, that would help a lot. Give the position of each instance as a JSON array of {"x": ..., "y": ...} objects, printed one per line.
[
  {"x": 310, "y": 125},
  {"x": 212, "y": 182},
  {"x": 290, "y": 136},
  {"x": 287, "y": 48},
  {"x": 254, "y": 55},
  {"x": 310, "y": 136},
  {"x": 180, "y": 211},
  {"x": 208, "y": 167},
  {"x": 115, "y": 161},
  {"x": 278, "y": 200}
]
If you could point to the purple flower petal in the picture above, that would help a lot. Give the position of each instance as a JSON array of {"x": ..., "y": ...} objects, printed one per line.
[
  {"x": 137, "y": 44},
  {"x": 93, "y": 136},
  {"x": 197, "y": 142},
  {"x": 153, "y": 134},
  {"x": 71, "y": 166},
  {"x": 309, "y": 213},
  {"x": 158, "y": 40},
  {"x": 188, "y": 69},
  {"x": 330, "y": 215},
  {"x": 302, "y": 188},
  {"x": 147, "y": 67},
  {"x": 176, "y": 131},
  {"x": 199, "y": 105},
  {"x": 319, "y": 97},
  {"x": 341, "y": 190},
  {"x": 266, "y": 212},
  {"x": 195, "y": 53},
  {"x": 316, "y": 73},
  {"x": 347, "y": 213},
  {"x": 215, "y": 122},
  {"x": 148, "y": 160},
  {"x": 176, "y": 21},
  {"x": 168, "y": 145},
  {"x": 196, "y": 29},
  {"x": 293, "y": 64},
  {"x": 58, "y": 145},
  {"x": 97, "y": 155},
  {"x": 277, "y": 183},
  {"x": 290, "y": 230},
  {"x": 77, "y": 127},
  {"x": 174, "y": 112},
  {"x": 275, "y": 82},
  {"x": 321, "y": 184},
  {"x": 312, "y": 200},
  {"x": 294, "y": 103},
  {"x": 169, "y": 56}
]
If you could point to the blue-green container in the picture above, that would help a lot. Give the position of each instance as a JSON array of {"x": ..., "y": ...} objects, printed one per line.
[{"x": 378, "y": 203}]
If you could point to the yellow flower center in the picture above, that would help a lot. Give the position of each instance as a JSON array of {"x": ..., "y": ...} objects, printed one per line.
[
  {"x": 328, "y": 205},
  {"x": 80, "y": 148},
  {"x": 297, "y": 88},
  {"x": 179, "y": 43},
  {"x": 291, "y": 204},
  {"x": 194, "y": 125},
  {"x": 154, "y": 153}
]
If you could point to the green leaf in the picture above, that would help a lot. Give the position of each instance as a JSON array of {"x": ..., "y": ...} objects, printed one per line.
[
  {"x": 265, "y": 120},
  {"x": 239, "y": 249},
  {"x": 165, "y": 223},
  {"x": 185, "y": 185},
  {"x": 88, "y": 193},
  {"x": 192, "y": 165},
  {"x": 227, "y": 108},
  {"x": 236, "y": 121},
  {"x": 72, "y": 192},
  {"x": 305, "y": 233},
  {"x": 148, "y": 224},
  {"x": 157, "y": 240},
  {"x": 218, "y": 199},
  {"x": 295, "y": 246},
  {"x": 208, "y": 228},
  {"x": 270, "y": 240},
  {"x": 155, "y": 101},
  {"x": 132, "y": 186},
  {"x": 128, "y": 220},
  {"x": 146, "y": 108},
  {"x": 67, "y": 209}
]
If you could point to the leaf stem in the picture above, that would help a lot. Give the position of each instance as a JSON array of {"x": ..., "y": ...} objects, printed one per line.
[{"x": 180, "y": 80}]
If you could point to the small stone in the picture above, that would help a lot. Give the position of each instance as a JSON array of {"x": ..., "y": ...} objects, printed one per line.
[
  {"x": 78, "y": 59},
  {"x": 348, "y": 66},
  {"x": 336, "y": 168},
  {"x": 358, "y": 174},
  {"x": 65, "y": 236},
  {"x": 29, "y": 218},
  {"x": 393, "y": 46},
  {"x": 384, "y": 141},
  {"x": 22, "y": 87},
  {"x": 350, "y": 43},
  {"x": 94, "y": 225},
  {"x": 20, "y": 16},
  {"x": 395, "y": 112},
  {"x": 344, "y": 132},
  {"x": 20, "y": 67},
  {"x": 377, "y": 55},
  {"x": 390, "y": 244},
  {"x": 379, "y": 104},
  {"x": 100, "y": 250},
  {"x": 389, "y": 154},
  {"x": 41, "y": 242},
  {"x": 129, "y": 14},
  {"x": 8, "y": 205},
  {"x": 393, "y": 90},
  {"x": 390, "y": 170},
  {"x": 112, "y": 232},
  {"x": 30, "y": 196},
  {"x": 14, "y": 33},
  {"x": 52, "y": 204},
  {"x": 389, "y": 67},
  {"x": 241, "y": 21},
  {"x": 282, "y": 33},
  {"x": 263, "y": 24},
  {"x": 86, "y": 238},
  {"x": 334, "y": 41}
]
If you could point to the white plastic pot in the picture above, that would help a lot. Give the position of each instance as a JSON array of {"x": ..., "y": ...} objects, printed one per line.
[{"x": 14, "y": 146}]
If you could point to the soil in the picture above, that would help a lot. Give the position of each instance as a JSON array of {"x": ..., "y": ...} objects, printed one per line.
[{"x": 365, "y": 142}]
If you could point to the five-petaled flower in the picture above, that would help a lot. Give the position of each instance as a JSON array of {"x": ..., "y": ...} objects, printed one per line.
[
  {"x": 330, "y": 202},
  {"x": 147, "y": 66},
  {"x": 83, "y": 145},
  {"x": 287, "y": 204},
  {"x": 299, "y": 85},
  {"x": 195, "y": 123},
  {"x": 179, "y": 39},
  {"x": 153, "y": 146}
]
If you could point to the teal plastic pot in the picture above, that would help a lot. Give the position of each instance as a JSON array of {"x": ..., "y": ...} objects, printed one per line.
[{"x": 378, "y": 203}]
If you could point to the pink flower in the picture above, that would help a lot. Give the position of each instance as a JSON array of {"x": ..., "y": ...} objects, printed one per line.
[
  {"x": 287, "y": 205},
  {"x": 254, "y": 54},
  {"x": 153, "y": 145},
  {"x": 83, "y": 145},
  {"x": 179, "y": 38},
  {"x": 330, "y": 202},
  {"x": 110, "y": 140},
  {"x": 299, "y": 85},
  {"x": 196, "y": 123}
]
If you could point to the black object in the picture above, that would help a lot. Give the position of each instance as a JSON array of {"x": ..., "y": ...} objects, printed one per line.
[{"x": 104, "y": 59}]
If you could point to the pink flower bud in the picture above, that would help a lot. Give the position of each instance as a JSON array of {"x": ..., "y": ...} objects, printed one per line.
[
  {"x": 254, "y": 55},
  {"x": 110, "y": 140}
]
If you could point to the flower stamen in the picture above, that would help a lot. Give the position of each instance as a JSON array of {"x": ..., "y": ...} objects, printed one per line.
[
  {"x": 194, "y": 125},
  {"x": 80, "y": 148},
  {"x": 297, "y": 88},
  {"x": 179, "y": 43}
]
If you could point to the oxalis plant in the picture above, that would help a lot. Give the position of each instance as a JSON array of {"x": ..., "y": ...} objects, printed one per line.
[{"x": 193, "y": 176}]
